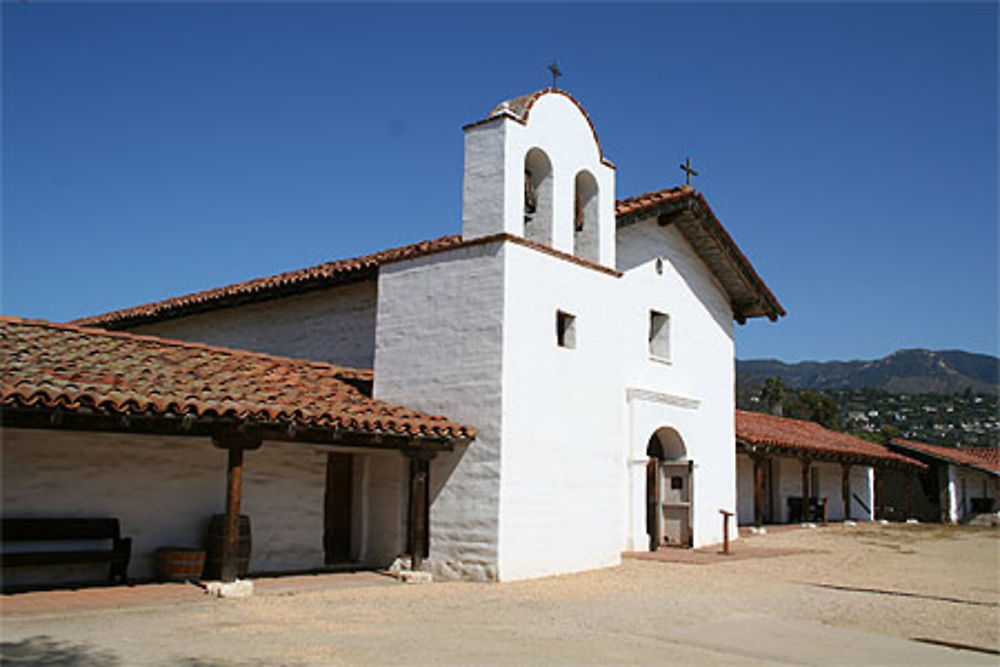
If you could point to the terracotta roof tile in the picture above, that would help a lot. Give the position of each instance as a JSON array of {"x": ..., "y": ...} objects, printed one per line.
[
  {"x": 59, "y": 365},
  {"x": 300, "y": 280},
  {"x": 744, "y": 285},
  {"x": 802, "y": 437},
  {"x": 979, "y": 457}
]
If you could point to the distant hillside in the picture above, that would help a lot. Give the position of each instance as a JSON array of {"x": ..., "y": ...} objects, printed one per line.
[{"x": 905, "y": 371}]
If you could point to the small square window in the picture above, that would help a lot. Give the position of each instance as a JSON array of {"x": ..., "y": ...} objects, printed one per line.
[
  {"x": 565, "y": 329},
  {"x": 659, "y": 335}
]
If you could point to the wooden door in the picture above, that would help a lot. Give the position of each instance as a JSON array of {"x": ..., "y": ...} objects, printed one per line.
[
  {"x": 337, "y": 508},
  {"x": 676, "y": 498}
]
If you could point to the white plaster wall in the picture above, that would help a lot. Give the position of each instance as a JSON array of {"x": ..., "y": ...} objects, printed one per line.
[
  {"x": 965, "y": 484},
  {"x": 862, "y": 482},
  {"x": 165, "y": 489},
  {"x": 493, "y": 194},
  {"x": 335, "y": 325},
  {"x": 563, "y": 442},
  {"x": 789, "y": 484},
  {"x": 283, "y": 493},
  {"x": 162, "y": 490},
  {"x": 698, "y": 380},
  {"x": 439, "y": 350},
  {"x": 744, "y": 490}
]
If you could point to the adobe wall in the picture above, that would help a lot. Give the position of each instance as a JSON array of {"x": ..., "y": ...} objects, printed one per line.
[
  {"x": 439, "y": 349},
  {"x": 335, "y": 325},
  {"x": 165, "y": 489}
]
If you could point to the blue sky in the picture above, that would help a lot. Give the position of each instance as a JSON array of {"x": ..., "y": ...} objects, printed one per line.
[{"x": 850, "y": 149}]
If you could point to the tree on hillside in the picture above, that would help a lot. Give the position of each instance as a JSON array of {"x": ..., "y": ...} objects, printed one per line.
[
  {"x": 772, "y": 395},
  {"x": 815, "y": 407}
]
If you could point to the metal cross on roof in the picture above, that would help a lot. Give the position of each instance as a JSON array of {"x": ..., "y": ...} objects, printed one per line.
[
  {"x": 688, "y": 171},
  {"x": 556, "y": 73}
]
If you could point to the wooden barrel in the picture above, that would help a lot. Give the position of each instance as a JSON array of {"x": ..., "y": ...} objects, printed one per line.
[
  {"x": 214, "y": 541},
  {"x": 179, "y": 564}
]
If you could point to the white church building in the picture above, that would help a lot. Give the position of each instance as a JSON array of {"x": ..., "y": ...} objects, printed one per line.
[{"x": 589, "y": 342}]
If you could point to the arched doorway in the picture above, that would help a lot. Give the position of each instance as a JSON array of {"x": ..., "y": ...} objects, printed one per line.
[{"x": 669, "y": 514}]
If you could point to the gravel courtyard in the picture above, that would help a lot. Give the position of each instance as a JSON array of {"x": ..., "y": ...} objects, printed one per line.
[{"x": 900, "y": 594}]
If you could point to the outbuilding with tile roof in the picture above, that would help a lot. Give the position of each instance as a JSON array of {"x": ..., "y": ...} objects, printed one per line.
[
  {"x": 781, "y": 461},
  {"x": 151, "y": 431}
]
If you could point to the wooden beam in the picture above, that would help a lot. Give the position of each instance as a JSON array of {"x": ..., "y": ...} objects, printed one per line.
[
  {"x": 86, "y": 419},
  {"x": 845, "y": 488},
  {"x": 806, "y": 463},
  {"x": 758, "y": 490},
  {"x": 418, "y": 516},
  {"x": 231, "y": 537},
  {"x": 234, "y": 494}
]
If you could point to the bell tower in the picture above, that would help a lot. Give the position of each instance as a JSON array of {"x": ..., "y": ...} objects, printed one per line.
[{"x": 534, "y": 169}]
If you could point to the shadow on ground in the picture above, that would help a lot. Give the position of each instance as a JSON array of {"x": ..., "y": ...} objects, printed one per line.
[{"x": 43, "y": 650}]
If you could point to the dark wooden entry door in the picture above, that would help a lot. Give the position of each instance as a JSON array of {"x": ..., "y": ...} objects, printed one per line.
[{"x": 337, "y": 510}]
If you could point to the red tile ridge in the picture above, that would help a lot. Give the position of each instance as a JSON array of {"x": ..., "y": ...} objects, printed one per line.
[
  {"x": 359, "y": 373},
  {"x": 320, "y": 275}
]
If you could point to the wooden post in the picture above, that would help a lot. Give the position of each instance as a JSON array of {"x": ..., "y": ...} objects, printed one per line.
[
  {"x": 234, "y": 494},
  {"x": 758, "y": 490},
  {"x": 418, "y": 517},
  {"x": 234, "y": 491},
  {"x": 805, "y": 489},
  {"x": 845, "y": 489},
  {"x": 725, "y": 530}
]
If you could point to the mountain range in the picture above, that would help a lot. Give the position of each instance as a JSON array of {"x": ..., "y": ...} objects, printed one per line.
[{"x": 904, "y": 371}]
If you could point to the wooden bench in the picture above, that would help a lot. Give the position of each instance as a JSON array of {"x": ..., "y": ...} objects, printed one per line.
[{"x": 116, "y": 555}]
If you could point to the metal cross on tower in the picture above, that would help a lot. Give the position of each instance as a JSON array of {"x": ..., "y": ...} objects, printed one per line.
[
  {"x": 688, "y": 171},
  {"x": 556, "y": 73}
]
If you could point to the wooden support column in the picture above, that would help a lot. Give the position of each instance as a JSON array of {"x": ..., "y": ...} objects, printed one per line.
[
  {"x": 418, "y": 517},
  {"x": 234, "y": 495},
  {"x": 845, "y": 488},
  {"x": 758, "y": 490},
  {"x": 806, "y": 463}
]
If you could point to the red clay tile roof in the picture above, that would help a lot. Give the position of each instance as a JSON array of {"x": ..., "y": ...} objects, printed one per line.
[
  {"x": 802, "y": 438},
  {"x": 50, "y": 366},
  {"x": 259, "y": 289},
  {"x": 983, "y": 458},
  {"x": 749, "y": 295}
]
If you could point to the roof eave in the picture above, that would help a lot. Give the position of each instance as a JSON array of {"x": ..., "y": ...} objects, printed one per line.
[{"x": 692, "y": 205}]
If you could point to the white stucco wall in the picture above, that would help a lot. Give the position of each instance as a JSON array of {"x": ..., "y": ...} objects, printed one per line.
[
  {"x": 964, "y": 484},
  {"x": 493, "y": 193},
  {"x": 563, "y": 444},
  {"x": 787, "y": 483},
  {"x": 744, "y": 490},
  {"x": 165, "y": 489},
  {"x": 335, "y": 325},
  {"x": 439, "y": 348},
  {"x": 693, "y": 391}
]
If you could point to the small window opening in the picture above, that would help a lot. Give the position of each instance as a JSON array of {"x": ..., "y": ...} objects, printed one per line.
[
  {"x": 565, "y": 329},
  {"x": 659, "y": 334}
]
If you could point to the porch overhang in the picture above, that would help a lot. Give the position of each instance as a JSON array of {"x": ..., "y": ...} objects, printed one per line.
[
  {"x": 819, "y": 455},
  {"x": 191, "y": 425}
]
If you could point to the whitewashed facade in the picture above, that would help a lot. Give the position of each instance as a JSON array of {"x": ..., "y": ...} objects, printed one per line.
[{"x": 556, "y": 480}]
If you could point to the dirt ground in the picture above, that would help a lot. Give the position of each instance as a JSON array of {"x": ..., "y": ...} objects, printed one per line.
[{"x": 903, "y": 594}]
